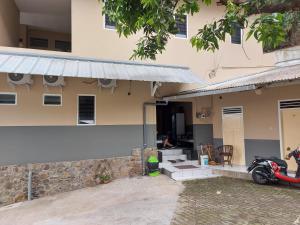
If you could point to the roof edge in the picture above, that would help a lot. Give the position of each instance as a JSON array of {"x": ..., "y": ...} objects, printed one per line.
[{"x": 71, "y": 56}]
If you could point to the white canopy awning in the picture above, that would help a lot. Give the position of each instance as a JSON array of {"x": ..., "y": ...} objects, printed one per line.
[
  {"x": 245, "y": 83},
  {"x": 73, "y": 66}
]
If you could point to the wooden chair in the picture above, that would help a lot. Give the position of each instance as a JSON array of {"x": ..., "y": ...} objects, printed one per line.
[
  {"x": 226, "y": 151},
  {"x": 206, "y": 150},
  {"x": 209, "y": 150}
]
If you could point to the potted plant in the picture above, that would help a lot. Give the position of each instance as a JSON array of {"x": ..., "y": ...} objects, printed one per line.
[{"x": 103, "y": 178}]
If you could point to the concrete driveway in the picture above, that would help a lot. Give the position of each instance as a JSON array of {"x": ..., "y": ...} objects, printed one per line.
[{"x": 126, "y": 201}]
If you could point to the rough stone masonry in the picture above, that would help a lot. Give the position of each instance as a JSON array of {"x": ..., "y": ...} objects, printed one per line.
[{"x": 56, "y": 177}]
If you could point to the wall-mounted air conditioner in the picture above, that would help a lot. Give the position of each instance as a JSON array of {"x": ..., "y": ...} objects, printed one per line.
[
  {"x": 54, "y": 81},
  {"x": 19, "y": 79},
  {"x": 107, "y": 83}
]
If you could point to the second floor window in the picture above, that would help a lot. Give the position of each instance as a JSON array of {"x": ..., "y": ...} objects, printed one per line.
[
  {"x": 108, "y": 23},
  {"x": 39, "y": 43},
  {"x": 236, "y": 36},
  {"x": 64, "y": 46},
  {"x": 181, "y": 24}
]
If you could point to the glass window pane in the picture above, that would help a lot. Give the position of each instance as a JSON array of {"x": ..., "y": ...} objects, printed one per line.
[
  {"x": 86, "y": 110},
  {"x": 52, "y": 100},
  {"x": 7, "y": 99},
  {"x": 38, "y": 43},
  {"x": 181, "y": 24},
  {"x": 236, "y": 37},
  {"x": 108, "y": 23},
  {"x": 64, "y": 46}
]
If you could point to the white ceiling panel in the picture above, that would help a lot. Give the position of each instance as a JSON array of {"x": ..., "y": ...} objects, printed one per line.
[{"x": 52, "y": 15}]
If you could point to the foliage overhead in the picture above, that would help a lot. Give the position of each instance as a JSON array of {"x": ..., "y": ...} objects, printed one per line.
[{"x": 271, "y": 26}]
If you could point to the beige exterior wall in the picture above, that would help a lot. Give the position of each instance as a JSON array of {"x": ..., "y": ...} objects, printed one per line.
[
  {"x": 261, "y": 119},
  {"x": 89, "y": 38},
  {"x": 111, "y": 109},
  {"x": 9, "y": 23},
  {"x": 198, "y": 104}
]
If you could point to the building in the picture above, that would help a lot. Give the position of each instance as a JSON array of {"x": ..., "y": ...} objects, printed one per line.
[{"x": 73, "y": 106}]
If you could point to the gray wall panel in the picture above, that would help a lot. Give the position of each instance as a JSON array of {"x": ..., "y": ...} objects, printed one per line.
[
  {"x": 265, "y": 148},
  {"x": 218, "y": 142},
  {"x": 151, "y": 135},
  {"x": 20, "y": 145},
  {"x": 253, "y": 147},
  {"x": 203, "y": 134}
]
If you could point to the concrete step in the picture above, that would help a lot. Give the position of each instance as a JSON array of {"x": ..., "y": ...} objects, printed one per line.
[
  {"x": 191, "y": 174},
  {"x": 187, "y": 174},
  {"x": 167, "y": 152},
  {"x": 193, "y": 177},
  {"x": 174, "y": 157}
]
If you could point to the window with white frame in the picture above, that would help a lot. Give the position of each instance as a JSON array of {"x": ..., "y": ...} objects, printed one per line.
[
  {"x": 8, "y": 99},
  {"x": 108, "y": 23},
  {"x": 181, "y": 24},
  {"x": 236, "y": 36},
  {"x": 86, "y": 110},
  {"x": 52, "y": 100}
]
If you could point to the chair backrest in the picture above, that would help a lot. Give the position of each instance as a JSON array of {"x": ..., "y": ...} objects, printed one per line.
[
  {"x": 209, "y": 150},
  {"x": 226, "y": 149}
]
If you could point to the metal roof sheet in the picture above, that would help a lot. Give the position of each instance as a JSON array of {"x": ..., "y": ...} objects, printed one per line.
[
  {"x": 72, "y": 66},
  {"x": 249, "y": 82},
  {"x": 269, "y": 76}
]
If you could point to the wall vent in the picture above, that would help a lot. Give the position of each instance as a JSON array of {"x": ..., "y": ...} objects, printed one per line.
[
  {"x": 292, "y": 104},
  {"x": 232, "y": 110}
]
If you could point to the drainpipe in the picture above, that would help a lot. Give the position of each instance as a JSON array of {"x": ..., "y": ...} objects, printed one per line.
[
  {"x": 145, "y": 145},
  {"x": 29, "y": 193}
]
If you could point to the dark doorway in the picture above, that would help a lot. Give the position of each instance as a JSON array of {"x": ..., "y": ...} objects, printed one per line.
[{"x": 175, "y": 121}]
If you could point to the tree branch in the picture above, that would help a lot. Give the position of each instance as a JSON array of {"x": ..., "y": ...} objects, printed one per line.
[{"x": 274, "y": 7}]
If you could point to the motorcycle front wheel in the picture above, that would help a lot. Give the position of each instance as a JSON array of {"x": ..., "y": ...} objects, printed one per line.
[{"x": 258, "y": 177}]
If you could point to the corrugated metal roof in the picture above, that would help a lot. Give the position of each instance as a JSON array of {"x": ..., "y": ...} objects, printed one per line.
[
  {"x": 72, "y": 66},
  {"x": 269, "y": 76},
  {"x": 249, "y": 82}
]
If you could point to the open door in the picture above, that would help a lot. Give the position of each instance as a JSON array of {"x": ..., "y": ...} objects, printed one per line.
[
  {"x": 290, "y": 129},
  {"x": 233, "y": 133}
]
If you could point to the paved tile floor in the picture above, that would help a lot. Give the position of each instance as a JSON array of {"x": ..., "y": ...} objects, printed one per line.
[{"x": 219, "y": 201}]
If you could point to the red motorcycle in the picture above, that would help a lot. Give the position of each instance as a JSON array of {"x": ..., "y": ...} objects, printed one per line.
[{"x": 270, "y": 170}]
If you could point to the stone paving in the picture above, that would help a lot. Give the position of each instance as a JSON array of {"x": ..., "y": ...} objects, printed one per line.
[{"x": 229, "y": 201}]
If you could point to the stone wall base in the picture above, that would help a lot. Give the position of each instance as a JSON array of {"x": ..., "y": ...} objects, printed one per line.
[{"x": 56, "y": 177}]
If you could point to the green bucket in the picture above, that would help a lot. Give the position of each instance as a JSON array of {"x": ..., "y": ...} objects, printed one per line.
[
  {"x": 153, "y": 167},
  {"x": 154, "y": 174}
]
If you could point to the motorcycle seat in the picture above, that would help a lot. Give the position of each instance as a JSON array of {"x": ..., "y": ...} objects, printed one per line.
[{"x": 280, "y": 162}]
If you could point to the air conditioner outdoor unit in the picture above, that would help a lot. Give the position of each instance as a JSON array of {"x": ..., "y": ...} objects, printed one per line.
[
  {"x": 19, "y": 79},
  {"x": 107, "y": 83},
  {"x": 54, "y": 81}
]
